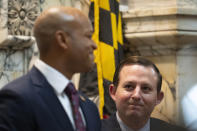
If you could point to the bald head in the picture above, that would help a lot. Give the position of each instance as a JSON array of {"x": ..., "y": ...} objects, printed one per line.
[
  {"x": 53, "y": 19},
  {"x": 64, "y": 39}
]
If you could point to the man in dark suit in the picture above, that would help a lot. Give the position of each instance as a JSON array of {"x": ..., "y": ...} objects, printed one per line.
[
  {"x": 38, "y": 101},
  {"x": 136, "y": 90}
]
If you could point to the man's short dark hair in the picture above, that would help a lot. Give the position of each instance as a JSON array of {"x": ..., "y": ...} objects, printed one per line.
[{"x": 137, "y": 60}]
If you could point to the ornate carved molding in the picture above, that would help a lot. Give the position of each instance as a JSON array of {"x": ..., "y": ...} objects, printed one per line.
[
  {"x": 21, "y": 16},
  {"x": 18, "y": 18}
]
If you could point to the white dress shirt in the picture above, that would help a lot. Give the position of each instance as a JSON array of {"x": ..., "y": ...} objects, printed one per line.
[
  {"x": 189, "y": 107},
  {"x": 126, "y": 128},
  {"x": 59, "y": 82}
]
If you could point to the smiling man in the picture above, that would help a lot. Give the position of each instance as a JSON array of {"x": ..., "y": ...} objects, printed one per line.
[
  {"x": 45, "y": 99},
  {"x": 136, "y": 90}
]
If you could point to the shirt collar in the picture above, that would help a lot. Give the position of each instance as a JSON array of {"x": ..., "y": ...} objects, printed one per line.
[
  {"x": 56, "y": 79},
  {"x": 126, "y": 128}
]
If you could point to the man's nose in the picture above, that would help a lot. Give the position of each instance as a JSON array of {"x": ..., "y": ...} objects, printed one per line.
[
  {"x": 136, "y": 93},
  {"x": 94, "y": 46}
]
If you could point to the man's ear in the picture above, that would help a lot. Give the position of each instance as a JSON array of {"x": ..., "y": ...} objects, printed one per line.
[
  {"x": 112, "y": 91},
  {"x": 160, "y": 96},
  {"x": 62, "y": 39}
]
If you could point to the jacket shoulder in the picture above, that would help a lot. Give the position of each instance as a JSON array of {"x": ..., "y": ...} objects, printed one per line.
[
  {"x": 110, "y": 124},
  {"x": 24, "y": 83},
  {"x": 157, "y": 124}
]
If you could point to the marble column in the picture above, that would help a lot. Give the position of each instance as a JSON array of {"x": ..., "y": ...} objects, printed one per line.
[
  {"x": 16, "y": 42},
  {"x": 165, "y": 31}
]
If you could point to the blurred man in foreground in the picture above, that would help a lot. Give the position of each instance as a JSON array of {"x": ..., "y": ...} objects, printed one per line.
[{"x": 189, "y": 108}]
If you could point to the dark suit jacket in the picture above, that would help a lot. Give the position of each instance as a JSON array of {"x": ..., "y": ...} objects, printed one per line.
[
  {"x": 30, "y": 104},
  {"x": 111, "y": 124}
]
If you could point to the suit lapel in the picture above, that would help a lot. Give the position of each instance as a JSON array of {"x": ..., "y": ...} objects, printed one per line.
[
  {"x": 49, "y": 97},
  {"x": 82, "y": 102},
  {"x": 90, "y": 113}
]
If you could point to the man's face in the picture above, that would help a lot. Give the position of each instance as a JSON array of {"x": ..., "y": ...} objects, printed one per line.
[
  {"x": 82, "y": 46},
  {"x": 136, "y": 94}
]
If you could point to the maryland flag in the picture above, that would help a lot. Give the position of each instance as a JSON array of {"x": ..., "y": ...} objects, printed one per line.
[{"x": 106, "y": 20}]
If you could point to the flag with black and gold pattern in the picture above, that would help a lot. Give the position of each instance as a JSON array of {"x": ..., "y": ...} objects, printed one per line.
[{"x": 107, "y": 24}]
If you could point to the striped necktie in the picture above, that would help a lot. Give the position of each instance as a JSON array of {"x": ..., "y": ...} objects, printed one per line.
[{"x": 74, "y": 98}]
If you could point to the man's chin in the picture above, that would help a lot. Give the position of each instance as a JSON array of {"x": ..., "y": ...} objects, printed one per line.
[
  {"x": 134, "y": 114},
  {"x": 87, "y": 68}
]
